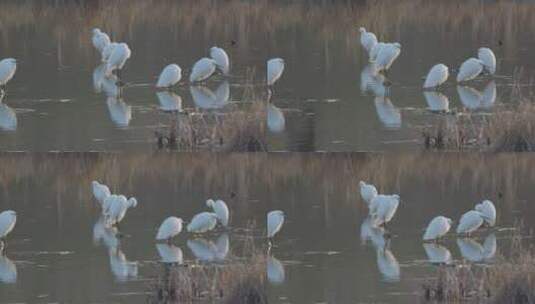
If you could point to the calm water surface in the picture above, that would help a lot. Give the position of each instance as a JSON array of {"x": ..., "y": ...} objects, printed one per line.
[
  {"x": 325, "y": 253},
  {"x": 327, "y": 96}
]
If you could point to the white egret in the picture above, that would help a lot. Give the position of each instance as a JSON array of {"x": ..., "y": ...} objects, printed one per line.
[
  {"x": 275, "y": 220},
  {"x": 275, "y": 271},
  {"x": 367, "y": 192},
  {"x": 221, "y": 59},
  {"x": 388, "y": 265},
  {"x": 367, "y": 39},
  {"x": 169, "y": 76},
  {"x": 100, "y": 191},
  {"x": 108, "y": 50},
  {"x": 8, "y": 219},
  {"x": 170, "y": 254},
  {"x": 488, "y": 210},
  {"x": 100, "y": 39},
  {"x": 384, "y": 208},
  {"x": 488, "y": 58},
  {"x": 437, "y": 254},
  {"x": 202, "y": 69},
  {"x": 202, "y": 222},
  {"x": 488, "y": 98},
  {"x": 169, "y": 101},
  {"x": 437, "y": 228},
  {"x": 120, "y": 112},
  {"x": 117, "y": 209},
  {"x": 203, "y": 250},
  {"x": 107, "y": 202},
  {"x": 118, "y": 57},
  {"x": 375, "y": 51},
  {"x": 470, "y": 97},
  {"x": 220, "y": 209},
  {"x": 8, "y": 118},
  {"x": 437, "y": 76},
  {"x": 275, "y": 119},
  {"x": 436, "y": 101},
  {"x": 8, "y": 67},
  {"x": 8, "y": 270},
  {"x": 470, "y": 69},
  {"x": 470, "y": 222},
  {"x": 388, "y": 114},
  {"x": 386, "y": 56},
  {"x": 169, "y": 228},
  {"x": 122, "y": 269},
  {"x": 275, "y": 67}
]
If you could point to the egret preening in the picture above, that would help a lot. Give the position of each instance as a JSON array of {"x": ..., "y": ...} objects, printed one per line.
[
  {"x": 118, "y": 57},
  {"x": 202, "y": 70},
  {"x": 386, "y": 56},
  {"x": 100, "y": 39},
  {"x": 100, "y": 191},
  {"x": 437, "y": 254},
  {"x": 275, "y": 67},
  {"x": 220, "y": 209},
  {"x": 8, "y": 67},
  {"x": 470, "y": 69},
  {"x": 276, "y": 122},
  {"x": 488, "y": 210},
  {"x": 117, "y": 210},
  {"x": 437, "y": 228},
  {"x": 436, "y": 101},
  {"x": 437, "y": 76},
  {"x": 375, "y": 51},
  {"x": 221, "y": 59},
  {"x": 170, "y": 76},
  {"x": 202, "y": 222},
  {"x": 169, "y": 228},
  {"x": 275, "y": 220},
  {"x": 106, "y": 52},
  {"x": 367, "y": 39},
  {"x": 470, "y": 222},
  {"x": 367, "y": 192},
  {"x": 488, "y": 58},
  {"x": 8, "y": 219},
  {"x": 383, "y": 208}
]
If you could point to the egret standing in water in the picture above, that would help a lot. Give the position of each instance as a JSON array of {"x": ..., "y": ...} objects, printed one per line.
[
  {"x": 8, "y": 66},
  {"x": 386, "y": 56},
  {"x": 437, "y": 228},
  {"x": 170, "y": 76},
  {"x": 437, "y": 76},
  {"x": 117, "y": 209},
  {"x": 488, "y": 58},
  {"x": 118, "y": 57},
  {"x": 221, "y": 59},
  {"x": 367, "y": 39},
  {"x": 8, "y": 219},
  {"x": 202, "y": 222},
  {"x": 488, "y": 210},
  {"x": 220, "y": 209},
  {"x": 375, "y": 50},
  {"x": 169, "y": 228},
  {"x": 202, "y": 70},
  {"x": 106, "y": 52},
  {"x": 470, "y": 222},
  {"x": 275, "y": 220},
  {"x": 275, "y": 67},
  {"x": 383, "y": 208},
  {"x": 100, "y": 39},
  {"x": 470, "y": 69},
  {"x": 100, "y": 191},
  {"x": 367, "y": 192}
]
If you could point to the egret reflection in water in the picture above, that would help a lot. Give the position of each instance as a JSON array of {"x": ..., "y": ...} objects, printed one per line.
[
  {"x": 103, "y": 234},
  {"x": 170, "y": 254},
  {"x": 473, "y": 251},
  {"x": 275, "y": 271},
  {"x": 122, "y": 269},
  {"x": 8, "y": 118},
  {"x": 436, "y": 101},
  {"x": 169, "y": 101},
  {"x": 372, "y": 81},
  {"x": 275, "y": 119},
  {"x": 437, "y": 254},
  {"x": 474, "y": 99},
  {"x": 208, "y": 251},
  {"x": 369, "y": 232},
  {"x": 388, "y": 265},
  {"x": 8, "y": 270},
  {"x": 388, "y": 114},
  {"x": 120, "y": 112},
  {"x": 205, "y": 98}
]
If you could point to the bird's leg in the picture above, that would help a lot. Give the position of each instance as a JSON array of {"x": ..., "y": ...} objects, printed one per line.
[{"x": 269, "y": 245}]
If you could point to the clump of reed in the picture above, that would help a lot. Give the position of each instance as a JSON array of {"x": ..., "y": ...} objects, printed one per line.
[{"x": 509, "y": 280}]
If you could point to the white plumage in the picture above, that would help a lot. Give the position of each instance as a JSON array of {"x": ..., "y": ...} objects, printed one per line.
[
  {"x": 275, "y": 220},
  {"x": 388, "y": 265},
  {"x": 100, "y": 39},
  {"x": 367, "y": 192},
  {"x": 220, "y": 209},
  {"x": 375, "y": 51},
  {"x": 8, "y": 219},
  {"x": 122, "y": 269},
  {"x": 368, "y": 231},
  {"x": 470, "y": 97},
  {"x": 202, "y": 222},
  {"x": 8, "y": 270},
  {"x": 8, "y": 118},
  {"x": 169, "y": 228},
  {"x": 8, "y": 67},
  {"x": 118, "y": 207},
  {"x": 169, "y": 76},
  {"x": 386, "y": 56},
  {"x": 203, "y": 250},
  {"x": 221, "y": 59},
  {"x": 470, "y": 222},
  {"x": 470, "y": 69},
  {"x": 169, "y": 101},
  {"x": 103, "y": 233},
  {"x": 488, "y": 98},
  {"x": 367, "y": 39},
  {"x": 489, "y": 246},
  {"x": 100, "y": 191},
  {"x": 438, "y": 74},
  {"x": 388, "y": 114},
  {"x": 275, "y": 119},
  {"x": 108, "y": 50},
  {"x": 437, "y": 228},
  {"x": 107, "y": 202},
  {"x": 170, "y": 253},
  {"x": 383, "y": 208},
  {"x": 437, "y": 254},
  {"x": 371, "y": 80},
  {"x": 118, "y": 57},
  {"x": 488, "y": 58},
  {"x": 488, "y": 210},
  {"x": 470, "y": 249},
  {"x": 202, "y": 69},
  {"x": 437, "y": 101},
  {"x": 275, "y": 68},
  {"x": 275, "y": 271},
  {"x": 205, "y": 98},
  {"x": 120, "y": 112}
]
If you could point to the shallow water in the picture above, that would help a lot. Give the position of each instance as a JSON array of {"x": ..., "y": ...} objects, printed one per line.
[
  {"x": 326, "y": 97},
  {"x": 325, "y": 252}
]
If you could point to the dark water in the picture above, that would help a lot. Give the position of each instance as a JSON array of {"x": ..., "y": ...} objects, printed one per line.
[
  {"x": 325, "y": 252},
  {"x": 328, "y": 100}
]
